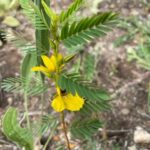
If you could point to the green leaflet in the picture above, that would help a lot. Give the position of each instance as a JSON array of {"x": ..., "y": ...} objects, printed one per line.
[
  {"x": 39, "y": 127},
  {"x": 87, "y": 29},
  {"x": 34, "y": 14},
  {"x": 41, "y": 20},
  {"x": 73, "y": 83},
  {"x": 72, "y": 8},
  {"x": 20, "y": 42},
  {"x": 85, "y": 128},
  {"x": 89, "y": 67},
  {"x": 11, "y": 128},
  {"x": 94, "y": 106},
  {"x": 42, "y": 36},
  {"x": 141, "y": 55},
  {"x": 28, "y": 62},
  {"x": 19, "y": 85},
  {"x": 49, "y": 11}
]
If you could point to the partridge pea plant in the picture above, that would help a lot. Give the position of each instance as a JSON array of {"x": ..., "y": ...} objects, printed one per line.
[{"x": 72, "y": 92}]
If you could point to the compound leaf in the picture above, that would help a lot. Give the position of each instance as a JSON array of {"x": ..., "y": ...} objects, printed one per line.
[
  {"x": 34, "y": 14},
  {"x": 73, "y": 83},
  {"x": 71, "y": 9},
  {"x": 85, "y": 128},
  {"x": 79, "y": 33},
  {"x": 11, "y": 128}
]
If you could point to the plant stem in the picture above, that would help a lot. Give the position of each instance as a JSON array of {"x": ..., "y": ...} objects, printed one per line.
[
  {"x": 50, "y": 136},
  {"x": 42, "y": 42},
  {"x": 56, "y": 52},
  {"x": 149, "y": 98},
  {"x": 42, "y": 36},
  {"x": 26, "y": 110},
  {"x": 65, "y": 130}
]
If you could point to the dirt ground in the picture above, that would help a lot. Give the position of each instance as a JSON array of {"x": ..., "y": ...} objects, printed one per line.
[{"x": 126, "y": 81}]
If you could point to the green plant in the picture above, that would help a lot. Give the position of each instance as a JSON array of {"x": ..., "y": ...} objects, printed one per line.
[
  {"x": 73, "y": 92},
  {"x": 5, "y": 5},
  {"x": 91, "y": 145},
  {"x": 141, "y": 53}
]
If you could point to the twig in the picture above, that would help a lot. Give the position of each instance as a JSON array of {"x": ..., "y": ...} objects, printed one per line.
[
  {"x": 8, "y": 146},
  {"x": 4, "y": 142},
  {"x": 33, "y": 113},
  {"x": 110, "y": 133},
  {"x": 144, "y": 114}
]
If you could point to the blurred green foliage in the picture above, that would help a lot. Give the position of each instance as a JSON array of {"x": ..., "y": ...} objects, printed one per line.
[{"x": 6, "y": 5}]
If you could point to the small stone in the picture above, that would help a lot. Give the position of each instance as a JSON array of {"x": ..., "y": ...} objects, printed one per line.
[
  {"x": 112, "y": 6},
  {"x": 1, "y": 43},
  {"x": 134, "y": 12},
  {"x": 10, "y": 100},
  {"x": 125, "y": 111},
  {"x": 141, "y": 136},
  {"x": 11, "y": 21},
  {"x": 133, "y": 147}
]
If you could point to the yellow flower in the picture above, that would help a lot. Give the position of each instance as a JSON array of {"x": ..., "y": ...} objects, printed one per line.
[
  {"x": 68, "y": 102},
  {"x": 50, "y": 64}
]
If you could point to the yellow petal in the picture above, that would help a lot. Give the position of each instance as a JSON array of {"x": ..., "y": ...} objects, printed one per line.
[
  {"x": 58, "y": 104},
  {"x": 73, "y": 103},
  {"x": 59, "y": 59},
  {"x": 40, "y": 68},
  {"x": 48, "y": 63},
  {"x": 58, "y": 91},
  {"x": 53, "y": 59}
]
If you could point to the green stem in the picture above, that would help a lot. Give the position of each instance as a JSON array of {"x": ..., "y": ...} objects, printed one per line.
[
  {"x": 149, "y": 98},
  {"x": 42, "y": 42},
  {"x": 42, "y": 104},
  {"x": 50, "y": 136},
  {"x": 26, "y": 110},
  {"x": 65, "y": 130},
  {"x": 42, "y": 36},
  {"x": 56, "y": 51}
]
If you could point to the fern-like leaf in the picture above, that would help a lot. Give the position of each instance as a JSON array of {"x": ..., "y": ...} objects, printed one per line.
[
  {"x": 89, "y": 66},
  {"x": 73, "y": 83},
  {"x": 85, "y": 30},
  {"x": 11, "y": 128},
  {"x": 71, "y": 9},
  {"x": 18, "y": 85},
  {"x": 20, "y": 42},
  {"x": 141, "y": 55},
  {"x": 29, "y": 61},
  {"x": 91, "y": 107},
  {"x": 34, "y": 14},
  {"x": 48, "y": 123},
  {"x": 86, "y": 128}
]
